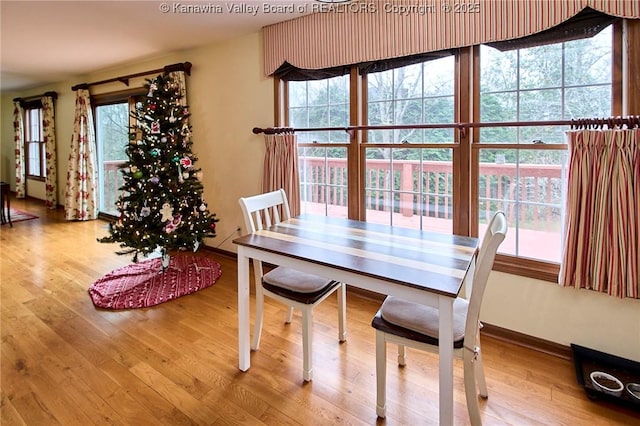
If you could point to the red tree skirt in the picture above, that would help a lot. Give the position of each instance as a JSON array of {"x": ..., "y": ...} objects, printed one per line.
[{"x": 143, "y": 284}]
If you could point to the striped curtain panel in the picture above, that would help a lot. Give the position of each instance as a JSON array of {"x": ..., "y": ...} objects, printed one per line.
[
  {"x": 49, "y": 135},
  {"x": 81, "y": 196},
  {"x": 18, "y": 138},
  {"x": 281, "y": 168},
  {"x": 603, "y": 206}
]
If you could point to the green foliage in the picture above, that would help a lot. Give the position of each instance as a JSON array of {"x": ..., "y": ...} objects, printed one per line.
[
  {"x": 162, "y": 205},
  {"x": 321, "y": 103}
]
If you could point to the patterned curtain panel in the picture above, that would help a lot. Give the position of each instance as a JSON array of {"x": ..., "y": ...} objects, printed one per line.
[
  {"x": 357, "y": 32},
  {"x": 601, "y": 250},
  {"x": 81, "y": 196},
  {"x": 281, "y": 168},
  {"x": 49, "y": 135},
  {"x": 18, "y": 137}
]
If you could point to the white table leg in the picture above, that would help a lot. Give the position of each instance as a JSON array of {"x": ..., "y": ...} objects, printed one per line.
[
  {"x": 445, "y": 306},
  {"x": 243, "y": 311}
]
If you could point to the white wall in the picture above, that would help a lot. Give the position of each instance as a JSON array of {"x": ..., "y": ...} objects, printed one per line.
[
  {"x": 228, "y": 96},
  {"x": 563, "y": 315}
]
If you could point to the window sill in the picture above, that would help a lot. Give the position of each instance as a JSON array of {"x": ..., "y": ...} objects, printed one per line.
[
  {"x": 38, "y": 178},
  {"x": 544, "y": 271}
]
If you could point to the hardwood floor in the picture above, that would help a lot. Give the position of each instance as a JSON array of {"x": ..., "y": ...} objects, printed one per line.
[{"x": 65, "y": 362}]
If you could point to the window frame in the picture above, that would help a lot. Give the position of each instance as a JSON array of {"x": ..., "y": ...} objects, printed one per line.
[
  {"x": 129, "y": 96},
  {"x": 457, "y": 157},
  {"x": 466, "y": 148},
  {"x": 30, "y": 142},
  {"x": 518, "y": 265}
]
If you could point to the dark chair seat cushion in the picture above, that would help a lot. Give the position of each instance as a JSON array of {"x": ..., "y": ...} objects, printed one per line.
[
  {"x": 418, "y": 322},
  {"x": 296, "y": 285}
]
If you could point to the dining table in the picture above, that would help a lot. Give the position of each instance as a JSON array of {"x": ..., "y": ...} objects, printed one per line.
[{"x": 418, "y": 265}]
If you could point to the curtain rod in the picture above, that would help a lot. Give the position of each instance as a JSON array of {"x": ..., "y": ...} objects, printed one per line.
[
  {"x": 182, "y": 66},
  {"x": 629, "y": 121},
  {"x": 54, "y": 95}
]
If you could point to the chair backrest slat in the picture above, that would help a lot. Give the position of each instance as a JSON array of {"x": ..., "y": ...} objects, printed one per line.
[
  {"x": 261, "y": 211},
  {"x": 264, "y": 210},
  {"x": 494, "y": 235}
]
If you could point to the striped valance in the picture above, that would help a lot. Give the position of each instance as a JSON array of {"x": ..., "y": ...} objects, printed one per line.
[{"x": 371, "y": 30}]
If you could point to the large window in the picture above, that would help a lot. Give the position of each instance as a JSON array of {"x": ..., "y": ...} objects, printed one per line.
[
  {"x": 322, "y": 155},
  {"x": 34, "y": 143},
  {"x": 112, "y": 120},
  {"x": 526, "y": 178},
  {"x": 408, "y": 178},
  {"x": 412, "y": 176}
]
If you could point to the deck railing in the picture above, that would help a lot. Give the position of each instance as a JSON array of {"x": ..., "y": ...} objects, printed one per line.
[
  {"x": 111, "y": 181},
  {"x": 529, "y": 193},
  {"x": 411, "y": 187}
]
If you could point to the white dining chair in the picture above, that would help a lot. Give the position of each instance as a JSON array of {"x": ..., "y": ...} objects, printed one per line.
[
  {"x": 296, "y": 289},
  {"x": 416, "y": 326}
]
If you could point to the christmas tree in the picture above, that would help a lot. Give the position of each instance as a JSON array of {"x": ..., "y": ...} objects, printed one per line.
[{"x": 161, "y": 207}]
